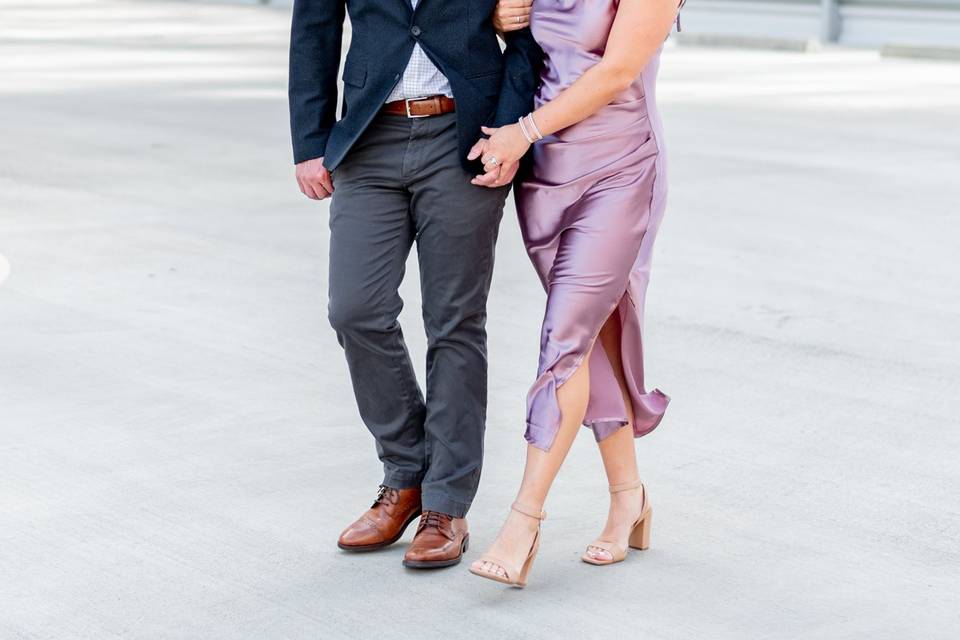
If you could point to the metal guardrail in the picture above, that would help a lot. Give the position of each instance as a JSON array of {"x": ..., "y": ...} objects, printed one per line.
[
  {"x": 909, "y": 26},
  {"x": 876, "y": 23}
]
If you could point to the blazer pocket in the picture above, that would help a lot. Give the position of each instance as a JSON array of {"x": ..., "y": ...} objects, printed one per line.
[
  {"x": 487, "y": 84},
  {"x": 355, "y": 75}
]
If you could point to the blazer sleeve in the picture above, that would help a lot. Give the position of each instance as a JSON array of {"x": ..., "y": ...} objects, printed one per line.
[
  {"x": 523, "y": 59},
  {"x": 315, "y": 39}
]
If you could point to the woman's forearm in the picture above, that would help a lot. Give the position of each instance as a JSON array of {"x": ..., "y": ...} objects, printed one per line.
[
  {"x": 638, "y": 31},
  {"x": 592, "y": 91},
  {"x": 639, "y": 28}
]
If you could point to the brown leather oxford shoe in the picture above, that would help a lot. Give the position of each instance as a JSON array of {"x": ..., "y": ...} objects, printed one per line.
[
  {"x": 384, "y": 522},
  {"x": 441, "y": 541}
]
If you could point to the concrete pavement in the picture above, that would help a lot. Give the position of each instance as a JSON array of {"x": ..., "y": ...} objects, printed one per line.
[{"x": 178, "y": 443}]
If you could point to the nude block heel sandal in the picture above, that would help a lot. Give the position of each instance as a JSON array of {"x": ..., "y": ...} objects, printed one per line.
[
  {"x": 514, "y": 576},
  {"x": 639, "y": 533}
]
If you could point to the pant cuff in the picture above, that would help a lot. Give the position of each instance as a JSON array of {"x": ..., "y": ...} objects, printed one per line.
[
  {"x": 444, "y": 504},
  {"x": 401, "y": 479}
]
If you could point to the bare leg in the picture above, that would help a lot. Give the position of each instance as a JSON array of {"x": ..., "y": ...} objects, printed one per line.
[
  {"x": 619, "y": 456},
  {"x": 516, "y": 537}
]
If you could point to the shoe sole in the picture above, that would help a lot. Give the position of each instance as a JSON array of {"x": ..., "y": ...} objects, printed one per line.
[
  {"x": 360, "y": 548},
  {"x": 439, "y": 564}
]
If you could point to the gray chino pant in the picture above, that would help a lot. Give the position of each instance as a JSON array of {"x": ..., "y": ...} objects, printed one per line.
[{"x": 401, "y": 183}]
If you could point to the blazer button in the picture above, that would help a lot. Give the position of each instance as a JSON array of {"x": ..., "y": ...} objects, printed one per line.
[{"x": 415, "y": 30}]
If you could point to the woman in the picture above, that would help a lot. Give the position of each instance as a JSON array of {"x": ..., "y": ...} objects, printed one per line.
[{"x": 588, "y": 212}]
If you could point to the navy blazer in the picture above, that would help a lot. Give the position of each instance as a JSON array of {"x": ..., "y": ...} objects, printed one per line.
[{"x": 491, "y": 87}]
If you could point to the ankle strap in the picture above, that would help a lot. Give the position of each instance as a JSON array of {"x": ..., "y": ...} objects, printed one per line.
[
  {"x": 626, "y": 486},
  {"x": 527, "y": 511}
]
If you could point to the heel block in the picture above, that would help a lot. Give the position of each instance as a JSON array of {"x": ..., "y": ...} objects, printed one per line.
[{"x": 640, "y": 536}]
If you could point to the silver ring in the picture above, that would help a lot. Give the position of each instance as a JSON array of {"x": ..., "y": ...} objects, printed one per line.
[
  {"x": 493, "y": 160},
  {"x": 518, "y": 20}
]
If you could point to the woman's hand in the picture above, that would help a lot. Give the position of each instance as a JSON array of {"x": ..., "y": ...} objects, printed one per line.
[
  {"x": 512, "y": 15},
  {"x": 500, "y": 154}
]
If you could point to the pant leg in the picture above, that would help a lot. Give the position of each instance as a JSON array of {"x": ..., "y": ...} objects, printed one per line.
[
  {"x": 371, "y": 233},
  {"x": 457, "y": 225}
]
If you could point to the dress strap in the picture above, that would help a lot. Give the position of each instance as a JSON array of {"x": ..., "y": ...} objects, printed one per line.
[{"x": 679, "y": 7}]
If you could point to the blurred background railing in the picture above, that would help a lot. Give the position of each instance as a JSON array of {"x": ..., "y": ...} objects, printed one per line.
[
  {"x": 921, "y": 27},
  {"x": 871, "y": 23}
]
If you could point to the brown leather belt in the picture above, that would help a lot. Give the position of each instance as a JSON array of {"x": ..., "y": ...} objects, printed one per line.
[{"x": 421, "y": 107}]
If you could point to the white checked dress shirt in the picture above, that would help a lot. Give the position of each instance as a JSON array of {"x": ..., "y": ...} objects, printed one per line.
[{"x": 420, "y": 78}]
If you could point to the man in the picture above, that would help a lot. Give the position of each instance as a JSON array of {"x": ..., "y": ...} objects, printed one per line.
[{"x": 420, "y": 78}]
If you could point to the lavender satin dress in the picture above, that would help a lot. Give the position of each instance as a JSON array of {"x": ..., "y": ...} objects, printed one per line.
[{"x": 589, "y": 214}]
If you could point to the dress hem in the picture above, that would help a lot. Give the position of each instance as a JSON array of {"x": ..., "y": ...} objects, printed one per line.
[{"x": 542, "y": 437}]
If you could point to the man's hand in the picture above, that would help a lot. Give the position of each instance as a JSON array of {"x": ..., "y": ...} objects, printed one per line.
[{"x": 314, "y": 179}]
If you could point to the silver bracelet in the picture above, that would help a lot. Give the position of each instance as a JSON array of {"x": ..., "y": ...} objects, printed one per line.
[
  {"x": 533, "y": 125},
  {"x": 523, "y": 128}
]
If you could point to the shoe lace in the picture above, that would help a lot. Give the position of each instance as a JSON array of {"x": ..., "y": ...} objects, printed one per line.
[
  {"x": 386, "y": 495},
  {"x": 436, "y": 520}
]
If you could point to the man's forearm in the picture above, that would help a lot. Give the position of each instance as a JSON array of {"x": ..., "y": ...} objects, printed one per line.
[{"x": 522, "y": 62}]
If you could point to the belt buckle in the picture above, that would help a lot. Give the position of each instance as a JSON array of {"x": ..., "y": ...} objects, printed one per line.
[{"x": 407, "y": 102}]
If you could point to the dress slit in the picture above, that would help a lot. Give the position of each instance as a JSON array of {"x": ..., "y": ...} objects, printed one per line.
[{"x": 606, "y": 412}]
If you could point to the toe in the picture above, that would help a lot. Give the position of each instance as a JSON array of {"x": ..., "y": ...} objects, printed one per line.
[
  {"x": 491, "y": 568},
  {"x": 598, "y": 554},
  {"x": 485, "y": 566}
]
